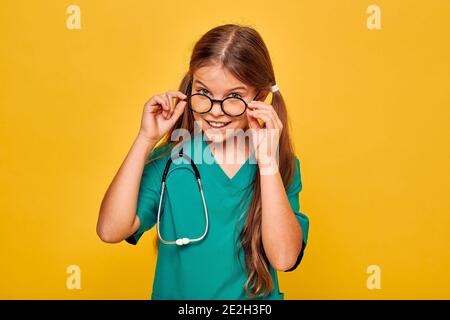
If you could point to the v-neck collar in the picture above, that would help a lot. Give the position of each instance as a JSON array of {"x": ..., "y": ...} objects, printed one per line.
[{"x": 204, "y": 157}]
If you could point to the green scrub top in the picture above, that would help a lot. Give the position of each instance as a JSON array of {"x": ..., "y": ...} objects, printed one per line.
[{"x": 213, "y": 268}]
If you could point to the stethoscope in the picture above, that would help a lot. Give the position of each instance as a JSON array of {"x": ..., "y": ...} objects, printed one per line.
[{"x": 181, "y": 241}]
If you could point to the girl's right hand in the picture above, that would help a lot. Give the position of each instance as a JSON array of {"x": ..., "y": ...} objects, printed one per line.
[{"x": 160, "y": 115}]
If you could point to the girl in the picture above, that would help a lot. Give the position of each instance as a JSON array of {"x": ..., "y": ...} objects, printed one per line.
[{"x": 243, "y": 217}]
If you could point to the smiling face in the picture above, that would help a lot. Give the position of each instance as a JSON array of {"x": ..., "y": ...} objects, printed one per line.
[{"x": 218, "y": 83}]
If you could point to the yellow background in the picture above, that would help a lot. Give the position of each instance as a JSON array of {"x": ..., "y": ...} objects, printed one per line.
[{"x": 369, "y": 113}]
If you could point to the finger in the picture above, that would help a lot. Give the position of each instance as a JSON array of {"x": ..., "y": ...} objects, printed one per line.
[
  {"x": 264, "y": 115},
  {"x": 273, "y": 114},
  {"x": 276, "y": 119},
  {"x": 164, "y": 104},
  {"x": 177, "y": 94},
  {"x": 169, "y": 99},
  {"x": 259, "y": 105},
  {"x": 252, "y": 122},
  {"x": 159, "y": 99},
  {"x": 178, "y": 111},
  {"x": 155, "y": 104},
  {"x": 169, "y": 104},
  {"x": 152, "y": 108},
  {"x": 151, "y": 105},
  {"x": 280, "y": 124},
  {"x": 165, "y": 107},
  {"x": 172, "y": 95},
  {"x": 259, "y": 121}
]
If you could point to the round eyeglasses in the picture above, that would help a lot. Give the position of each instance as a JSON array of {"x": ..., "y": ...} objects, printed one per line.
[{"x": 231, "y": 106}]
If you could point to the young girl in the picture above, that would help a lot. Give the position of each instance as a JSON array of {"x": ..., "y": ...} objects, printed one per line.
[{"x": 225, "y": 235}]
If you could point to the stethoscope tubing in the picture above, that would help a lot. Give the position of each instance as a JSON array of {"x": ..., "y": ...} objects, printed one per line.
[{"x": 184, "y": 240}]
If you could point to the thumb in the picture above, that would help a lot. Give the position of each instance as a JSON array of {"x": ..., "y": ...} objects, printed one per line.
[{"x": 178, "y": 110}]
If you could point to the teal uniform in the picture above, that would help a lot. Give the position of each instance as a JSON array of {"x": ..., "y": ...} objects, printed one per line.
[{"x": 213, "y": 268}]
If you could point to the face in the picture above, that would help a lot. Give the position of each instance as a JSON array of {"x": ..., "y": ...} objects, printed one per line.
[{"x": 218, "y": 83}]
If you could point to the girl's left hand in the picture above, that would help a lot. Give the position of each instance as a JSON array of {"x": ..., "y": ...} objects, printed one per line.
[{"x": 266, "y": 137}]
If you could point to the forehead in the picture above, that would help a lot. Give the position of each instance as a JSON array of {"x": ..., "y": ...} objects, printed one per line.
[{"x": 218, "y": 78}]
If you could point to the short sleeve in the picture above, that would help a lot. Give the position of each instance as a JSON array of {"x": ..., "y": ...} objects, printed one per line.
[
  {"x": 149, "y": 192},
  {"x": 293, "y": 196}
]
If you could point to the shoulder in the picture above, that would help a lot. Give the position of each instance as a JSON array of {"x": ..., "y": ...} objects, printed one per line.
[
  {"x": 297, "y": 162},
  {"x": 296, "y": 173},
  {"x": 159, "y": 152}
]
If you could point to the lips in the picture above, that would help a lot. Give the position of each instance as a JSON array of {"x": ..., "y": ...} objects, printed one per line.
[{"x": 217, "y": 124}]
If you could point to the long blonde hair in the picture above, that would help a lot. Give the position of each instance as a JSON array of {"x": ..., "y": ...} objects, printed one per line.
[{"x": 242, "y": 51}]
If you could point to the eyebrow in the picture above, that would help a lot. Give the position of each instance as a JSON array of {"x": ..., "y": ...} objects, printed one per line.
[{"x": 236, "y": 88}]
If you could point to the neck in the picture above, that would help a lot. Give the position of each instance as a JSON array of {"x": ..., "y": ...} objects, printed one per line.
[{"x": 232, "y": 150}]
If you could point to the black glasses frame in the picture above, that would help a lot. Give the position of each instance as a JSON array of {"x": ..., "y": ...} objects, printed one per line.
[{"x": 217, "y": 100}]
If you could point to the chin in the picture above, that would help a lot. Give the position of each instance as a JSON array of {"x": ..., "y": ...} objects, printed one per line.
[{"x": 217, "y": 136}]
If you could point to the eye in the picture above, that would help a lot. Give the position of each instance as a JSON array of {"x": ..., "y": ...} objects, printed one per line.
[
  {"x": 235, "y": 95},
  {"x": 201, "y": 90}
]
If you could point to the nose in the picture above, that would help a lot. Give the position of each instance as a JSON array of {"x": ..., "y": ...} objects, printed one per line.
[{"x": 216, "y": 110}]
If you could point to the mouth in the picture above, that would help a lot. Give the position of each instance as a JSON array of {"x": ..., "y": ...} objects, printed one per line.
[{"x": 217, "y": 124}]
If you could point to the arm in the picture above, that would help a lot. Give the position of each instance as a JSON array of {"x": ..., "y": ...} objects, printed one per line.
[
  {"x": 281, "y": 232},
  {"x": 117, "y": 218}
]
